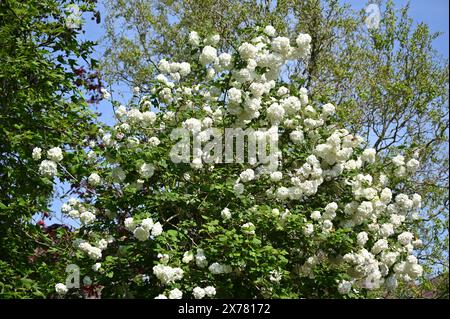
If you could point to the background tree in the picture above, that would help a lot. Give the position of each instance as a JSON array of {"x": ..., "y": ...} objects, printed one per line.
[
  {"x": 389, "y": 83},
  {"x": 40, "y": 104},
  {"x": 293, "y": 227}
]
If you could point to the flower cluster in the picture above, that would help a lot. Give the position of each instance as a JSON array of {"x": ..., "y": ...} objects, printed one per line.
[
  {"x": 143, "y": 230},
  {"x": 167, "y": 274},
  {"x": 325, "y": 204},
  {"x": 48, "y": 168}
]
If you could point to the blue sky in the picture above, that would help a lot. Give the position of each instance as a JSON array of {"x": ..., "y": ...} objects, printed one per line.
[
  {"x": 435, "y": 13},
  {"x": 432, "y": 12}
]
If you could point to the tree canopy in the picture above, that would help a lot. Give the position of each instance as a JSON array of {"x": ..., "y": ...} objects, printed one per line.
[{"x": 348, "y": 212}]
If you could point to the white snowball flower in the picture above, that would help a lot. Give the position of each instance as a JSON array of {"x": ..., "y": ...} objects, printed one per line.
[
  {"x": 386, "y": 230},
  {"x": 185, "y": 68},
  {"x": 276, "y": 176},
  {"x": 146, "y": 170},
  {"x": 417, "y": 201},
  {"x": 65, "y": 207},
  {"x": 412, "y": 165},
  {"x": 147, "y": 224},
  {"x": 304, "y": 99},
  {"x": 275, "y": 276},
  {"x": 148, "y": 117},
  {"x": 61, "y": 289},
  {"x": 198, "y": 293},
  {"x": 121, "y": 112},
  {"x": 316, "y": 215},
  {"x": 247, "y": 175},
  {"x": 384, "y": 180},
  {"x": 225, "y": 60},
  {"x": 157, "y": 229},
  {"x": 216, "y": 268},
  {"x": 362, "y": 238},
  {"x": 188, "y": 256},
  {"x": 398, "y": 160},
  {"x": 417, "y": 243},
  {"x": 257, "y": 89},
  {"x": 270, "y": 31},
  {"x": 210, "y": 73},
  {"x": 369, "y": 193},
  {"x": 330, "y": 210},
  {"x": 396, "y": 220},
  {"x": 403, "y": 201},
  {"x": 327, "y": 225},
  {"x": 37, "y": 153},
  {"x": 74, "y": 214},
  {"x": 196, "y": 163},
  {"x": 192, "y": 124},
  {"x": 96, "y": 267},
  {"x": 175, "y": 294},
  {"x": 297, "y": 137},
  {"x": 167, "y": 274},
  {"x": 401, "y": 171},
  {"x": 208, "y": 55},
  {"x": 379, "y": 246},
  {"x": 130, "y": 224},
  {"x": 281, "y": 45},
  {"x": 248, "y": 228},
  {"x": 200, "y": 258},
  {"x": 328, "y": 109},
  {"x": 134, "y": 116},
  {"x": 94, "y": 179},
  {"x": 48, "y": 168},
  {"x": 368, "y": 155},
  {"x": 303, "y": 40},
  {"x": 247, "y": 51},
  {"x": 164, "y": 66},
  {"x": 389, "y": 258},
  {"x": 87, "y": 218},
  {"x": 194, "y": 39},
  {"x": 282, "y": 91},
  {"x": 308, "y": 229},
  {"x": 107, "y": 139},
  {"x": 275, "y": 112},
  {"x": 154, "y": 141},
  {"x": 93, "y": 252},
  {"x": 73, "y": 201},
  {"x": 283, "y": 193},
  {"x": 235, "y": 96},
  {"x": 386, "y": 195},
  {"x": 210, "y": 291},
  {"x": 405, "y": 238},
  {"x": 141, "y": 233},
  {"x": 225, "y": 213}
]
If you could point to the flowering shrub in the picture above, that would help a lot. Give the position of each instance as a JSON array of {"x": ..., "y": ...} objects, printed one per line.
[{"x": 328, "y": 219}]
